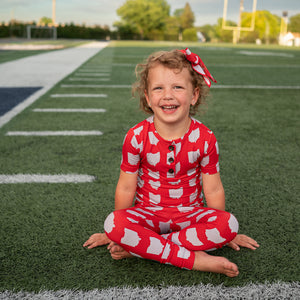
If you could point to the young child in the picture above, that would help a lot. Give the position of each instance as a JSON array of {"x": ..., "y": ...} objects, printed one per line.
[{"x": 166, "y": 160}]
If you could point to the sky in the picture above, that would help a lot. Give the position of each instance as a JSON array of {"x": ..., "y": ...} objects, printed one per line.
[{"x": 103, "y": 12}]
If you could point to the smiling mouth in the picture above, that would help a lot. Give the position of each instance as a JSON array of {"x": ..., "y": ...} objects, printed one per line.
[{"x": 169, "y": 107}]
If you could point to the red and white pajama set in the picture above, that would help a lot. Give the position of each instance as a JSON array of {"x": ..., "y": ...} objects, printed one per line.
[{"x": 169, "y": 220}]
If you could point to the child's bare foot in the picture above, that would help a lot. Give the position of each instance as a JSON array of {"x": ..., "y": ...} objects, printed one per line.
[
  {"x": 117, "y": 252},
  {"x": 216, "y": 264}
]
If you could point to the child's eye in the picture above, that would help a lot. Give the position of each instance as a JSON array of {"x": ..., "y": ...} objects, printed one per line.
[
  {"x": 157, "y": 88},
  {"x": 178, "y": 87}
]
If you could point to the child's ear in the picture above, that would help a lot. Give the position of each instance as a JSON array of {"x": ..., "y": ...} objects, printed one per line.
[
  {"x": 196, "y": 93},
  {"x": 147, "y": 97}
]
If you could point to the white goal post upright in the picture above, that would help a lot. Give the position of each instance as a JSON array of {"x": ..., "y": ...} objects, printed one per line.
[{"x": 239, "y": 28}]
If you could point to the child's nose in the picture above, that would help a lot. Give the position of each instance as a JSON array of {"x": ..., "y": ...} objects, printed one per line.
[{"x": 168, "y": 93}]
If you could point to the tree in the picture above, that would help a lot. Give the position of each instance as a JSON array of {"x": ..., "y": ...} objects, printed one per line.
[
  {"x": 187, "y": 17},
  {"x": 45, "y": 21},
  {"x": 294, "y": 25},
  {"x": 209, "y": 32},
  {"x": 224, "y": 35},
  {"x": 144, "y": 15},
  {"x": 190, "y": 34},
  {"x": 267, "y": 26}
]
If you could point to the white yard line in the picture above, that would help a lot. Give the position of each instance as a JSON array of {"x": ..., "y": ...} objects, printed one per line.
[
  {"x": 78, "y": 96},
  {"x": 91, "y": 74},
  {"x": 265, "y": 87},
  {"x": 118, "y": 86},
  {"x": 71, "y": 110},
  {"x": 254, "y": 66},
  {"x": 54, "y": 133},
  {"x": 280, "y": 290},
  {"x": 39, "y": 178},
  {"x": 89, "y": 79},
  {"x": 227, "y": 65},
  {"x": 97, "y": 70}
]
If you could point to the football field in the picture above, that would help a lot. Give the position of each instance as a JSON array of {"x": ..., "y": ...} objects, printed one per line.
[{"x": 59, "y": 164}]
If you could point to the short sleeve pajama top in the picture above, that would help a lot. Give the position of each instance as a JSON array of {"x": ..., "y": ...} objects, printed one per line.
[{"x": 169, "y": 172}]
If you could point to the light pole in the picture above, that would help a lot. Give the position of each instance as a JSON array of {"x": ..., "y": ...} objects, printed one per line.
[{"x": 53, "y": 12}]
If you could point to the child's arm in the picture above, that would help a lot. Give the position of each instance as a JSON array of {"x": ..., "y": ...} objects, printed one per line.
[
  {"x": 125, "y": 190},
  {"x": 215, "y": 198},
  {"x": 213, "y": 191},
  {"x": 124, "y": 196}
]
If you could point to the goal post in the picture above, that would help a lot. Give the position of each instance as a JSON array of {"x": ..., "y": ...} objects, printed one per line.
[
  {"x": 237, "y": 29},
  {"x": 41, "y": 32}
]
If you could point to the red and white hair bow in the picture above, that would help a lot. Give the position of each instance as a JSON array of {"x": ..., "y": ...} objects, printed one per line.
[{"x": 198, "y": 65}]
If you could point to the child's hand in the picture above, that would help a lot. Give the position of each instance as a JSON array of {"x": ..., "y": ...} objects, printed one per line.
[
  {"x": 244, "y": 241},
  {"x": 97, "y": 239}
]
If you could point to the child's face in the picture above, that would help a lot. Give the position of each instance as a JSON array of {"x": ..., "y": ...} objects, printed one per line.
[{"x": 170, "y": 94}]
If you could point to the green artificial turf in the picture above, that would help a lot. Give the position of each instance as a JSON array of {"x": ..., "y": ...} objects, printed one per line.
[{"x": 43, "y": 226}]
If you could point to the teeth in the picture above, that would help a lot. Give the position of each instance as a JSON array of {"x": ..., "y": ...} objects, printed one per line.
[{"x": 169, "y": 107}]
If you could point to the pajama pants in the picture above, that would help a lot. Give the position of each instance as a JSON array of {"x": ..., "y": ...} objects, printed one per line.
[{"x": 170, "y": 235}]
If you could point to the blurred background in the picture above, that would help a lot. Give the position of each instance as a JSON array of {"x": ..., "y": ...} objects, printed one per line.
[{"x": 231, "y": 21}]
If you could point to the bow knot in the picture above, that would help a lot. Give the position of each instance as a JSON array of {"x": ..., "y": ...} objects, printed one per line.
[{"x": 199, "y": 66}]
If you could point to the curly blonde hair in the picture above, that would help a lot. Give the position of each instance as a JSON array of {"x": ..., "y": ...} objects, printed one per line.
[{"x": 173, "y": 59}]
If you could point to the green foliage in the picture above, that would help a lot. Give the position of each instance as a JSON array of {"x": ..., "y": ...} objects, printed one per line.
[
  {"x": 45, "y": 21},
  {"x": 72, "y": 31},
  {"x": 190, "y": 34},
  {"x": 209, "y": 32},
  {"x": 185, "y": 17},
  {"x": 294, "y": 25},
  {"x": 224, "y": 35},
  {"x": 267, "y": 26},
  {"x": 145, "y": 15},
  {"x": 172, "y": 29}
]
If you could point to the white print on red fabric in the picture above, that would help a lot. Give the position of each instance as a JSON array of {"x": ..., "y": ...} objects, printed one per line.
[
  {"x": 138, "y": 130},
  {"x": 193, "y": 196},
  {"x": 212, "y": 219},
  {"x": 194, "y": 136},
  {"x": 152, "y": 138},
  {"x": 214, "y": 236},
  {"x": 135, "y": 213},
  {"x": 154, "y": 175},
  {"x": 136, "y": 145},
  {"x": 185, "y": 209},
  {"x": 162, "y": 164},
  {"x": 133, "y": 159},
  {"x": 204, "y": 214},
  {"x": 166, "y": 252},
  {"x": 130, "y": 238},
  {"x": 183, "y": 253},
  {"x": 154, "y": 184},
  {"x": 191, "y": 236},
  {"x": 178, "y": 148},
  {"x": 193, "y": 156},
  {"x": 140, "y": 182},
  {"x": 233, "y": 224},
  {"x": 109, "y": 224},
  {"x": 155, "y": 247},
  {"x": 176, "y": 193},
  {"x": 185, "y": 224},
  {"x": 144, "y": 211},
  {"x": 153, "y": 158},
  {"x": 154, "y": 198}
]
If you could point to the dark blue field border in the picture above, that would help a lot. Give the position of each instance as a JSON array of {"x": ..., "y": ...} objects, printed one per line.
[{"x": 12, "y": 96}]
